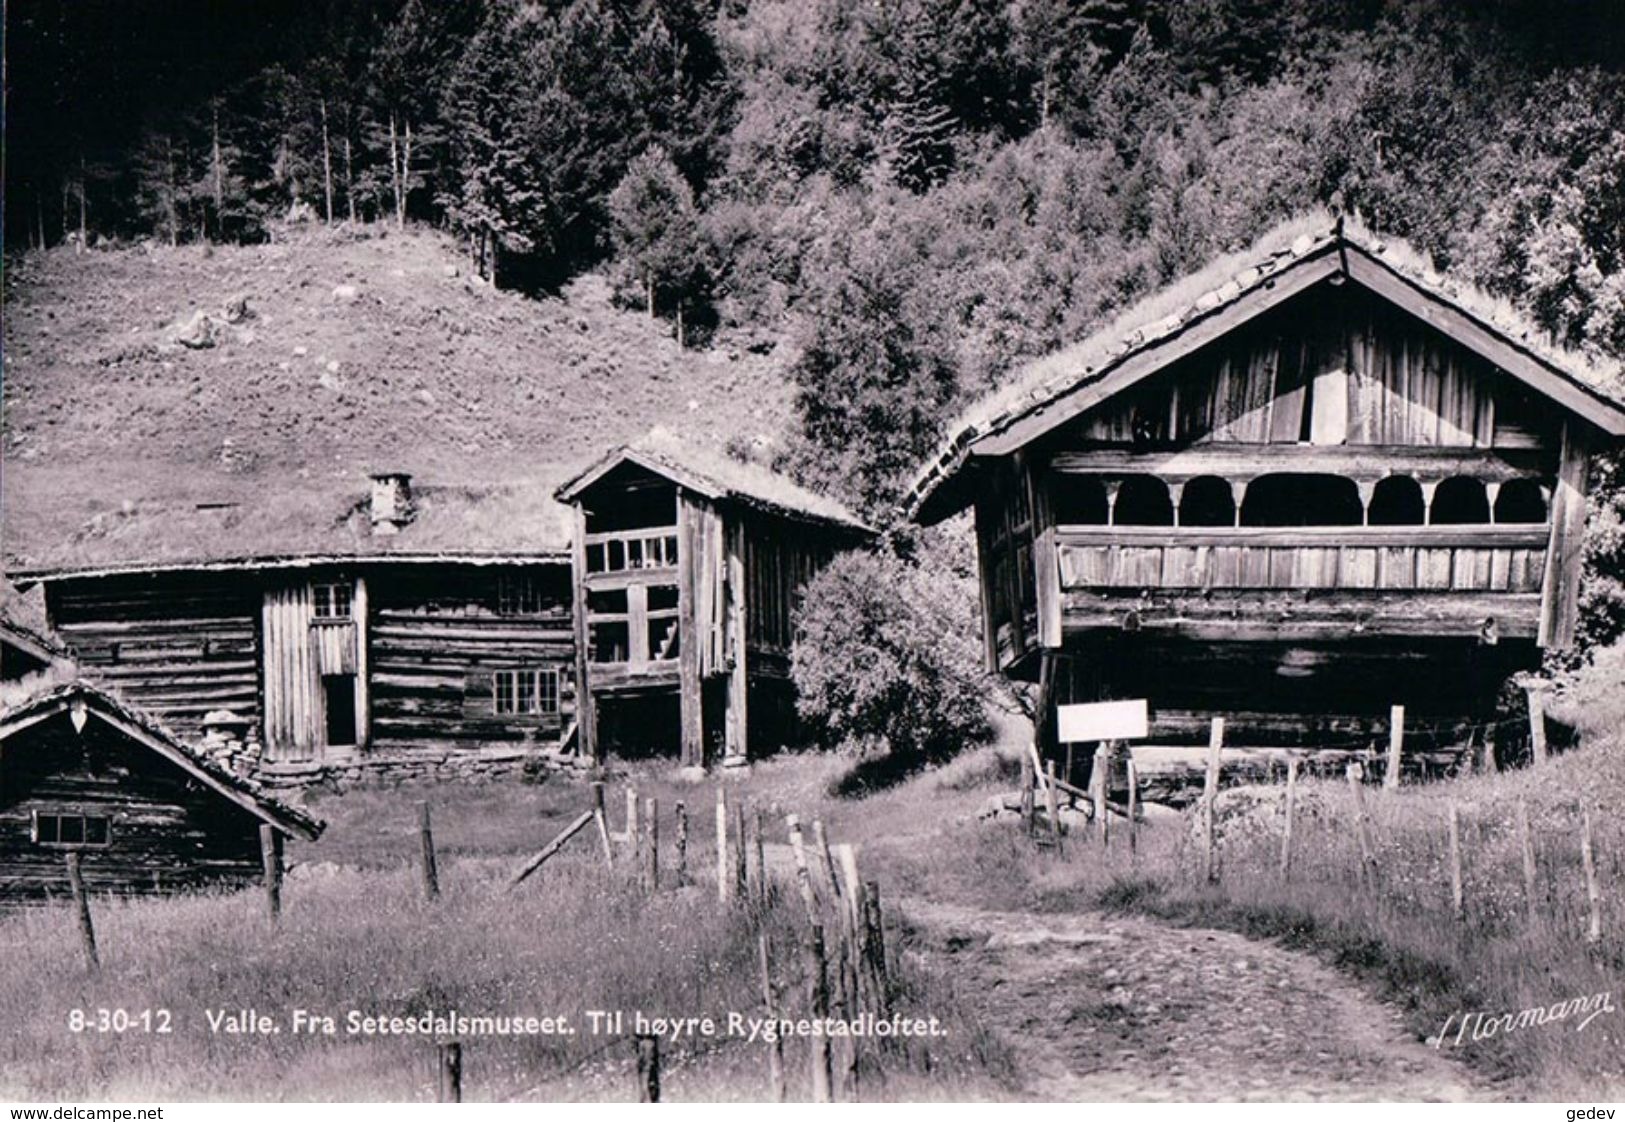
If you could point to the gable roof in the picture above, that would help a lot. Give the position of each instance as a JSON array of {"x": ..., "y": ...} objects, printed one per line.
[
  {"x": 287, "y": 524},
  {"x": 1228, "y": 293},
  {"x": 52, "y": 699},
  {"x": 715, "y": 476}
]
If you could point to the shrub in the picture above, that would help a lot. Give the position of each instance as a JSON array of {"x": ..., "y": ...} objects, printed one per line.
[{"x": 886, "y": 658}]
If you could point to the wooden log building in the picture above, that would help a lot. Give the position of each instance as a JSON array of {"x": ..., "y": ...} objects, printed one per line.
[
  {"x": 81, "y": 771},
  {"x": 422, "y": 634},
  {"x": 1328, "y": 483},
  {"x": 688, "y": 567}
]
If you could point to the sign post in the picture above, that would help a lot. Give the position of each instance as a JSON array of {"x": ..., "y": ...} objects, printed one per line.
[{"x": 1104, "y": 722}]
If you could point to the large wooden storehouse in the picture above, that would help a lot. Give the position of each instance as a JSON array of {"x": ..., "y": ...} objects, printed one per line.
[
  {"x": 688, "y": 567},
  {"x": 421, "y": 633},
  {"x": 1310, "y": 483},
  {"x": 82, "y": 772}
]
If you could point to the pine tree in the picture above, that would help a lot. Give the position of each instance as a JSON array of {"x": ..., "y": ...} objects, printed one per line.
[
  {"x": 655, "y": 229},
  {"x": 921, "y": 124}
]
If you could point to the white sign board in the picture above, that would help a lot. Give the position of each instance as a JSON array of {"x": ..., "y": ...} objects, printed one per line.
[{"x": 1103, "y": 720}]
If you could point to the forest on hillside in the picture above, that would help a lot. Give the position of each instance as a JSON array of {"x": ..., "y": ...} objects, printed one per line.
[{"x": 918, "y": 194}]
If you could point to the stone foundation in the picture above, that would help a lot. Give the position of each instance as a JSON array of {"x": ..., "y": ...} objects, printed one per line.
[{"x": 390, "y": 769}]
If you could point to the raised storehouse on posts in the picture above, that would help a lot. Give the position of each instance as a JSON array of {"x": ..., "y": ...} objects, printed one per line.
[
  {"x": 688, "y": 567},
  {"x": 1311, "y": 482}
]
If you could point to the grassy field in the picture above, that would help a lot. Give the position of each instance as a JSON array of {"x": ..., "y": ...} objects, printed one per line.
[{"x": 356, "y": 934}]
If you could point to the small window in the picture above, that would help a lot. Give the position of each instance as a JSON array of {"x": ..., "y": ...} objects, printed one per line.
[
  {"x": 525, "y": 693},
  {"x": 518, "y": 594},
  {"x": 53, "y": 828},
  {"x": 1143, "y": 500},
  {"x": 606, "y": 601},
  {"x": 662, "y": 597},
  {"x": 331, "y": 601},
  {"x": 595, "y": 557}
]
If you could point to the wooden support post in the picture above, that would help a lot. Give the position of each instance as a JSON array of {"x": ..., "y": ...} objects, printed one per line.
[
  {"x": 1133, "y": 802},
  {"x": 632, "y": 818},
  {"x": 1537, "y": 727},
  {"x": 723, "y": 880},
  {"x": 651, "y": 817},
  {"x": 1291, "y": 812},
  {"x": 1368, "y": 857},
  {"x": 601, "y": 816},
  {"x": 852, "y": 891},
  {"x": 1458, "y": 898},
  {"x": 450, "y": 1087},
  {"x": 804, "y": 884},
  {"x": 431, "y": 878},
  {"x": 818, "y": 999},
  {"x": 1396, "y": 744},
  {"x": 775, "y": 1055},
  {"x": 1491, "y": 764},
  {"x": 271, "y": 864},
  {"x": 552, "y": 847},
  {"x": 1210, "y": 796},
  {"x": 81, "y": 909},
  {"x": 1052, "y": 807},
  {"x": 1069, "y": 774},
  {"x": 1588, "y": 862},
  {"x": 1526, "y": 843},
  {"x": 648, "y": 1068}
]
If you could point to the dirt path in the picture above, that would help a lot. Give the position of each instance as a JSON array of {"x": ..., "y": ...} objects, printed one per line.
[{"x": 1125, "y": 1008}]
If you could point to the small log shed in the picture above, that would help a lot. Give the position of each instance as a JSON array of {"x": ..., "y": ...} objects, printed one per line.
[{"x": 80, "y": 771}]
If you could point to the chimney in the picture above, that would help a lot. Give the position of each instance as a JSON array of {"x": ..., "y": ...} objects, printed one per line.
[{"x": 391, "y": 502}]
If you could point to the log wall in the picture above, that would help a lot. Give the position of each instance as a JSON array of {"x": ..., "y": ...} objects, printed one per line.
[
  {"x": 167, "y": 832},
  {"x": 176, "y": 645}
]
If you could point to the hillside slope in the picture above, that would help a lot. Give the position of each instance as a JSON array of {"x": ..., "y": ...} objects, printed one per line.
[{"x": 360, "y": 352}]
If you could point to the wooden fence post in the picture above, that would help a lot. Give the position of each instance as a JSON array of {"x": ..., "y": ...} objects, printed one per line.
[
  {"x": 826, "y": 860},
  {"x": 431, "y": 877},
  {"x": 648, "y": 1068},
  {"x": 1026, "y": 807},
  {"x": 1526, "y": 843},
  {"x": 722, "y": 844},
  {"x": 775, "y": 1055},
  {"x": 1537, "y": 727},
  {"x": 601, "y": 816},
  {"x": 798, "y": 849},
  {"x": 818, "y": 995},
  {"x": 1291, "y": 813},
  {"x": 853, "y": 889},
  {"x": 761, "y": 862},
  {"x": 1458, "y": 898},
  {"x": 875, "y": 942},
  {"x": 1210, "y": 796},
  {"x": 682, "y": 844},
  {"x": 1052, "y": 807},
  {"x": 651, "y": 817},
  {"x": 81, "y": 909},
  {"x": 1368, "y": 857},
  {"x": 1593, "y": 893},
  {"x": 271, "y": 863},
  {"x": 1133, "y": 801},
  {"x": 741, "y": 862},
  {"x": 1102, "y": 780},
  {"x": 632, "y": 832},
  {"x": 450, "y": 1088},
  {"x": 1396, "y": 744}
]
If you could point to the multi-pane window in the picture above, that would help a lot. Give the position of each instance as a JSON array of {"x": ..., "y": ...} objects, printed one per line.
[
  {"x": 331, "y": 601},
  {"x": 54, "y": 828},
  {"x": 525, "y": 692},
  {"x": 518, "y": 594}
]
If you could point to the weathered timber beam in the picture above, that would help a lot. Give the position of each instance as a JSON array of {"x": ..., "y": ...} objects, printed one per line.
[
  {"x": 1521, "y": 536},
  {"x": 1241, "y": 462}
]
